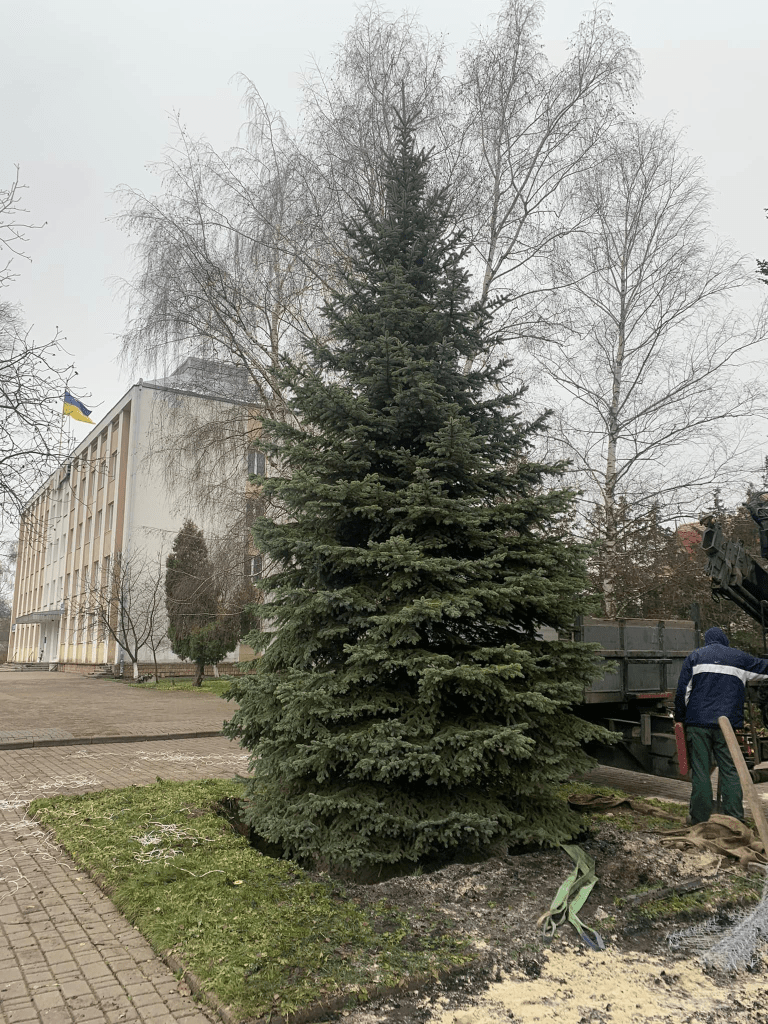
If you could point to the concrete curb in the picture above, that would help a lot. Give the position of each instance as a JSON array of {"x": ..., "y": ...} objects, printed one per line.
[{"x": 78, "y": 741}]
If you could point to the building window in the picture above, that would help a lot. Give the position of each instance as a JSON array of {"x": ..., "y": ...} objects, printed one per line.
[
  {"x": 66, "y": 585},
  {"x": 102, "y": 472},
  {"x": 112, "y": 464},
  {"x": 88, "y": 529},
  {"x": 75, "y": 582},
  {"x": 257, "y": 465},
  {"x": 110, "y": 515},
  {"x": 98, "y": 524},
  {"x": 255, "y": 508},
  {"x": 79, "y": 534}
]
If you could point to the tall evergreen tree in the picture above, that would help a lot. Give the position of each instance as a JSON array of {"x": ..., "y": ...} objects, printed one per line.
[
  {"x": 403, "y": 706},
  {"x": 200, "y": 628}
]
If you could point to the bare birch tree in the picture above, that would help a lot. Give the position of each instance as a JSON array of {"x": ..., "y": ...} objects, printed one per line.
[
  {"x": 33, "y": 375},
  {"x": 526, "y": 130},
  {"x": 651, "y": 364},
  {"x": 348, "y": 120},
  {"x": 235, "y": 254},
  {"x": 223, "y": 256},
  {"x": 125, "y": 601}
]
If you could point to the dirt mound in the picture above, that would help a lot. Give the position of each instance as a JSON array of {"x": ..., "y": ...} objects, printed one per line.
[{"x": 638, "y": 978}]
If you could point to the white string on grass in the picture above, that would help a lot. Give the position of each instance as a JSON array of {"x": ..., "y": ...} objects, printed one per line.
[
  {"x": 161, "y": 832},
  {"x": 37, "y": 846}
]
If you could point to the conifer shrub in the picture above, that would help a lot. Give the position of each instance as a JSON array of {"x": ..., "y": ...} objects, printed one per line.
[
  {"x": 202, "y": 626},
  {"x": 403, "y": 708}
]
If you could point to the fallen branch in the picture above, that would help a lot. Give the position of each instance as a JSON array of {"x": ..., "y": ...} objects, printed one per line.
[{"x": 689, "y": 885}]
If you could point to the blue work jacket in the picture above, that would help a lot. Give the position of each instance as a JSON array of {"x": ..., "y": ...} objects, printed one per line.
[{"x": 712, "y": 683}]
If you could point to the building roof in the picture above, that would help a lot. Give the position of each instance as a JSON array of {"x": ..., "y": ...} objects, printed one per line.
[{"x": 209, "y": 379}]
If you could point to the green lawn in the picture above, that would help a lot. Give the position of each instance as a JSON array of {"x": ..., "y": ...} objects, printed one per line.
[
  {"x": 186, "y": 683},
  {"x": 258, "y": 932}
]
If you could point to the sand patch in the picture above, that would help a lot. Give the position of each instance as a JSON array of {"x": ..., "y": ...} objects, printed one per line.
[{"x": 609, "y": 988}]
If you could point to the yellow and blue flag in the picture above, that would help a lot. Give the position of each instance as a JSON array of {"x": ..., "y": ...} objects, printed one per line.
[{"x": 74, "y": 407}]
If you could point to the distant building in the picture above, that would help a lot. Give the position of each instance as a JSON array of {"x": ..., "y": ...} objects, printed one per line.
[
  {"x": 109, "y": 499},
  {"x": 690, "y": 536}
]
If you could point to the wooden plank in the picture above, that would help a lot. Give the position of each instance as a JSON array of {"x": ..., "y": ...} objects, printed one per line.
[{"x": 747, "y": 784}]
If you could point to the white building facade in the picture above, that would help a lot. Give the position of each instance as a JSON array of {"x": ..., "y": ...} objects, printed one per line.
[{"x": 109, "y": 500}]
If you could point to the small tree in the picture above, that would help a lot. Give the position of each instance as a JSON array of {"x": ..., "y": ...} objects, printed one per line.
[
  {"x": 404, "y": 707},
  {"x": 125, "y": 601},
  {"x": 203, "y": 625}
]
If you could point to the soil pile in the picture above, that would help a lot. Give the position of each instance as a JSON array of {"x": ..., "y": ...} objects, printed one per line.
[{"x": 638, "y": 978}]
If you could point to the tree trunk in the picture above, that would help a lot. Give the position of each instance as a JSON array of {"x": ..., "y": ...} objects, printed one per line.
[
  {"x": 135, "y": 670},
  {"x": 216, "y": 671},
  {"x": 154, "y": 659},
  {"x": 611, "y": 477},
  {"x": 200, "y": 673}
]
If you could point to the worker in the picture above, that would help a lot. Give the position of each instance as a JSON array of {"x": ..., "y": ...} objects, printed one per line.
[{"x": 711, "y": 684}]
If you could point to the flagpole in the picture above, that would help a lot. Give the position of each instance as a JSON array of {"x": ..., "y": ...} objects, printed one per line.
[{"x": 61, "y": 430}]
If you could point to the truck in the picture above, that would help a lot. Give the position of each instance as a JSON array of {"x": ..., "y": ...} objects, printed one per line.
[
  {"x": 644, "y": 656},
  {"x": 634, "y": 696}
]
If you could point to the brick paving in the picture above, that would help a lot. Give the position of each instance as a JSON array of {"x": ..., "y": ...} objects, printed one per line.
[
  {"x": 66, "y": 954},
  {"x": 45, "y": 708}
]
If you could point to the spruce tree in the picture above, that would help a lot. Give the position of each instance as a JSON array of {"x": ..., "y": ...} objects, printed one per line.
[
  {"x": 403, "y": 707},
  {"x": 199, "y": 627}
]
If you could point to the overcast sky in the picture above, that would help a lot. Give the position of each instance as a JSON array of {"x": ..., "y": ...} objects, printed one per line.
[{"x": 86, "y": 88}]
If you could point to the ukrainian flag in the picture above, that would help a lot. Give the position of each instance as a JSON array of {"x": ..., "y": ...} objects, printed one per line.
[{"x": 74, "y": 407}]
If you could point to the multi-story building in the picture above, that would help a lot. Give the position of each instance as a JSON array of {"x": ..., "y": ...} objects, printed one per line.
[{"x": 113, "y": 500}]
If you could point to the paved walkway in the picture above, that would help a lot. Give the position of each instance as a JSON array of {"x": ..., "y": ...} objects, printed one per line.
[
  {"x": 66, "y": 954},
  {"x": 55, "y": 708}
]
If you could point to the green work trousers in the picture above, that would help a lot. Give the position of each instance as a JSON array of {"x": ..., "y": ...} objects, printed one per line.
[{"x": 706, "y": 745}]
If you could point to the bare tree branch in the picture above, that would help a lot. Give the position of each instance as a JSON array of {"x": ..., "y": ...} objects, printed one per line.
[
  {"x": 125, "y": 600},
  {"x": 651, "y": 364},
  {"x": 33, "y": 376}
]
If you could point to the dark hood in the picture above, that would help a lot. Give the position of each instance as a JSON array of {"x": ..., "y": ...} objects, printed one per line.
[{"x": 716, "y": 636}]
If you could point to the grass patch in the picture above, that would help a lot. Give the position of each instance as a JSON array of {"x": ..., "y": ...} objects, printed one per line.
[
  {"x": 726, "y": 892},
  {"x": 258, "y": 932},
  {"x": 186, "y": 683},
  {"x": 638, "y": 818}
]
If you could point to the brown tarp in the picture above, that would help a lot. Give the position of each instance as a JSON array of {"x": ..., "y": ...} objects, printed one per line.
[{"x": 721, "y": 835}]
